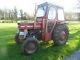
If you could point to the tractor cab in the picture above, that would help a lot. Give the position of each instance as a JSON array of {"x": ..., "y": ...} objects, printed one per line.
[
  {"x": 49, "y": 15},
  {"x": 49, "y": 12}
]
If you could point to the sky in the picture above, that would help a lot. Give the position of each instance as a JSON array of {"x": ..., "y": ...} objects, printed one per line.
[{"x": 29, "y": 5}]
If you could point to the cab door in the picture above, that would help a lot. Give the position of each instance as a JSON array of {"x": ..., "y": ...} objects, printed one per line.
[
  {"x": 52, "y": 16},
  {"x": 50, "y": 22}
]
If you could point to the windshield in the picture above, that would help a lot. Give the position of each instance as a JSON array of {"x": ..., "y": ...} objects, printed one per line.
[{"x": 41, "y": 11}]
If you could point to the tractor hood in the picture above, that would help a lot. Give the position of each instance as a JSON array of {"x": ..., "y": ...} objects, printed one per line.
[{"x": 29, "y": 25}]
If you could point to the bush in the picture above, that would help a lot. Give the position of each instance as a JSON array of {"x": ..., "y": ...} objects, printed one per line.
[{"x": 14, "y": 21}]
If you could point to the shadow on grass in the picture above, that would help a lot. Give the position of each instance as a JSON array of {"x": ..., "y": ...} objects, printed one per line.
[{"x": 44, "y": 53}]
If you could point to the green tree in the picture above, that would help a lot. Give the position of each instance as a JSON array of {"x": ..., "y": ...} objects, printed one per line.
[
  {"x": 21, "y": 14},
  {"x": 15, "y": 13}
]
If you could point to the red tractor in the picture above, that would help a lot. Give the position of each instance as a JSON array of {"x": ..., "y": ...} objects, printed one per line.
[{"x": 48, "y": 25}]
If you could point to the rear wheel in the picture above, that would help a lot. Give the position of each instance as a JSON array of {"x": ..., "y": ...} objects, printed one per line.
[
  {"x": 30, "y": 46},
  {"x": 60, "y": 34}
]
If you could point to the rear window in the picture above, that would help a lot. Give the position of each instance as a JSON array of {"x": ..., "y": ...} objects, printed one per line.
[{"x": 60, "y": 14}]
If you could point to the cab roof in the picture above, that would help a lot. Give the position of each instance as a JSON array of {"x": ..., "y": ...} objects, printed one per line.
[{"x": 49, "y": 5}]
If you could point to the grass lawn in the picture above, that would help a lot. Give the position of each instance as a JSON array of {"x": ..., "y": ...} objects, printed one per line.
[{"x": 9, "y": 50}]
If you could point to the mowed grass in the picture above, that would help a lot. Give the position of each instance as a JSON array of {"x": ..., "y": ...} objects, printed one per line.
[{"x": 9, "y": 50}]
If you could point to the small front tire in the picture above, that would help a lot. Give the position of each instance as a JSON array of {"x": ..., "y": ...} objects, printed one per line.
[
  {"x": 29, "y": 46},
  {"x": 17, "y": 40}
]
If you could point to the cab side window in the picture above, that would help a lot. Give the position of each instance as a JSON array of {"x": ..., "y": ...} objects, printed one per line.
[{"x": 52, "y": 13}]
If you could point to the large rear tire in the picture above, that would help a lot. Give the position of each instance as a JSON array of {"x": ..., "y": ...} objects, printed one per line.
[
  {"x": 29, "y": 46},
  {"x": 60, "y": 34}
]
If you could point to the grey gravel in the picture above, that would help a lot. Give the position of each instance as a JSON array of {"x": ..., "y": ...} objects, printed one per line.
[{"x": 74, "y": 56}]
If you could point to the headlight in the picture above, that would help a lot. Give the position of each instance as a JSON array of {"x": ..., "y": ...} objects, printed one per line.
[
  {"x": 22, "y": 33},
  {"x": 22, "y": 26}
]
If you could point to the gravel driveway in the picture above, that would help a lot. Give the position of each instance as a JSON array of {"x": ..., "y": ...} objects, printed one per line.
[{"x": 74, "y": 56}]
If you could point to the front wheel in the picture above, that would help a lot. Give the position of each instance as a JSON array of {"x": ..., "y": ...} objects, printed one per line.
[
  {"x": 60, "y": 34},
  {"x": 17, "y": 40},
  {"x": 29, "y": 46}
]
